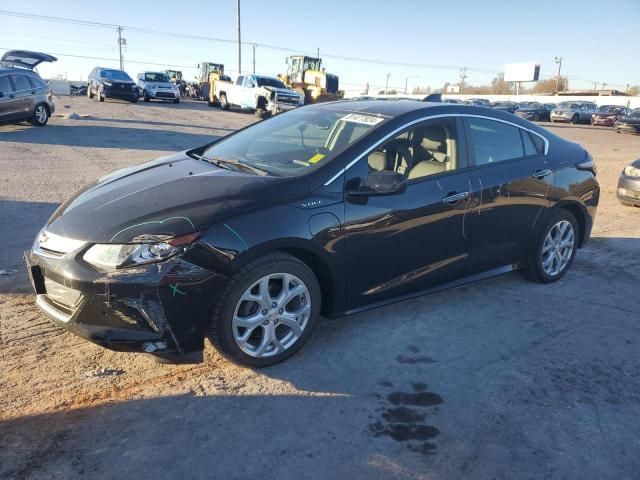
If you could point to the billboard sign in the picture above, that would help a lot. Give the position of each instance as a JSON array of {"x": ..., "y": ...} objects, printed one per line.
[{"x": 521, "y": 72}]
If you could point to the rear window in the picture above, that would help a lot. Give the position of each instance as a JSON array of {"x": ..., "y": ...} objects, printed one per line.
[
  {"x": 5, "y": 84},
  {"x": 20, "y": 83},
  {"x": 36, "y": 82}
]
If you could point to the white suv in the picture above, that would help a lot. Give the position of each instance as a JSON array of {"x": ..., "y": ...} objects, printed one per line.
[{"x": 157, "y": 85}]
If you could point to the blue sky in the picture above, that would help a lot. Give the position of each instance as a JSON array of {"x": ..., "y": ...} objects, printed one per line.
[{"x": 597, "y": 43}]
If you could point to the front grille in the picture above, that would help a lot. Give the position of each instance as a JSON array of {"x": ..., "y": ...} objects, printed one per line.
[
  {"x": 165, "y": 95},
  {"x": 332, "y": 84},
  {"x": 289, "y": 100}
]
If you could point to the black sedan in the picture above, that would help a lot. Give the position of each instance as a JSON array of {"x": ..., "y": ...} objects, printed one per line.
[
  {"x": 629, "y": 185},
  {"x": 328, "y": 209},
  {"x": 534, "y": 111},
  {"x": 629, "y": 123},
  {"x": 510, "y": 107}
]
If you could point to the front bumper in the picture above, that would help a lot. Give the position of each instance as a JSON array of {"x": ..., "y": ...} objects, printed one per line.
[
  {"x": 163, "y": 94},
  {"x": 604, "y": 121},
  {"x": 120, "y": 93},
  {"x": 629, "y": 189},
  {"x": 155, "y": 308},
  {"x": 560, "y": 118},
  {"x": 279, "y": 104},
  {"x": 627, "y": 127}
]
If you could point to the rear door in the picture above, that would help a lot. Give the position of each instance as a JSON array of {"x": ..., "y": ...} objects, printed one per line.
[
  {"x": 24, "y": 94},
  {"x": 511, "y": 178},
  {"x": 7, "y": 98},
  {"x": 406, "y": 243}
]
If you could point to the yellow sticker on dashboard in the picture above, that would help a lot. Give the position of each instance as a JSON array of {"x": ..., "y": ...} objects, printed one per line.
[{"x": 316, "y": 158}]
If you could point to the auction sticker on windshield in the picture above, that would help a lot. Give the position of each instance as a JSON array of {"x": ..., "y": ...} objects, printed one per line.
[{"x": 364, "y": 119}]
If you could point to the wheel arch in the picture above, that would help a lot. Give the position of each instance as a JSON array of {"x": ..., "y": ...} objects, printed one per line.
[
  {"x": 581, "y": 215},
  {"x": 308, "y": 253}
]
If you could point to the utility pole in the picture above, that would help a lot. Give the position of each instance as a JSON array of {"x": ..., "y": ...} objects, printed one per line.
[
  {"x": 559, "y": 62},
  {"x": 254, "y": 58},
  {"x": 406, "y": 81},
  {"x": 120, "y": 47},
  {"x": 463, "y": 76},
  {"x": 318, "y": 52},
  {"x": 239, "y": 43},
  {"x": 386, "y": 87}
]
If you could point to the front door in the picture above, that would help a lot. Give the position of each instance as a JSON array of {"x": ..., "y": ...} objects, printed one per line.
[
  {"x": 405, "y": 243},
  {"x": 511, "y": 178}
]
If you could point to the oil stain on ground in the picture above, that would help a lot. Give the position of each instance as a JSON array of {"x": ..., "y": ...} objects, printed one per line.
[{"x": 404, "y": 417}]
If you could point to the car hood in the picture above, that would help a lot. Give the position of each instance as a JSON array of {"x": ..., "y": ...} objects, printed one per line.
[
  {"x": 26, "y": 59},
  {"x": 285, "y": 91},
  {"x": 126, "y": 82},
  {"x": 631, "y": 120},
  {"x": 564, "y": 110},
  {"x": 169, "y": 196}
]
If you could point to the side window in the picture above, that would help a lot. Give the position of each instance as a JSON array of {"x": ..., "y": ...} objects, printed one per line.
[
  {"x": 248, "y": 82},
  {"x": 529, "y": 146},
  {"x": 239, "y": 80},
  {"x": 5, "y": 84},
  {"x": 36, "y": 82},
  {"x": 427, "y": 149},
  {"x": 494, "y": 141},
  {"x": 20, "y": 83}
]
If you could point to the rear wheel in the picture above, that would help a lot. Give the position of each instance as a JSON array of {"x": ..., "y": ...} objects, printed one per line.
[
  {"x": 555, "y": 248},
  {"x": 267, "y": 311},
  {"x": 575, "y": 119},
  {"x": 40, "y": 116}
]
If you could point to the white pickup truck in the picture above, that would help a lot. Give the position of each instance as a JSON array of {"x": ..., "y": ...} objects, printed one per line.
[{"x": 264, "y": 95}]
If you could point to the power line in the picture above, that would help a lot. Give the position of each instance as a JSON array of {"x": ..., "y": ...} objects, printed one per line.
[{"x": 222, "y": 40}]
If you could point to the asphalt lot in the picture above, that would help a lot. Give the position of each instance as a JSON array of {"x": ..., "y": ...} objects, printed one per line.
[{"x": 504, "y": 379}]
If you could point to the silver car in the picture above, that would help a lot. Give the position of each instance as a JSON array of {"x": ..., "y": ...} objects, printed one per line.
[
  {"x": 157, "y": 85},
  {"x": 574, "y": 112},
  {"x": 23, "y": 94}
]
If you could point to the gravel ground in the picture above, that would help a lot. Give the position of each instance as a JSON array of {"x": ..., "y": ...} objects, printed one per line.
[{"x": 504, "y": 379}]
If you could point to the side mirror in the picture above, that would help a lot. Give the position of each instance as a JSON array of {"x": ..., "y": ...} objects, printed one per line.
[{"x": 383, "y": 182}]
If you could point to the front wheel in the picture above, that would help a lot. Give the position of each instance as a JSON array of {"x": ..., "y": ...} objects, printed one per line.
[
  {"x": 224, "y": 104},
  {"x": 146, "y": 96},
  {"x": 267, "y": 311},
  {"x": 555, "y": 248},
  {"x": 177, "y": 100},
  {"x": 89, "y": 91},
  {"x": 100, "y": 95},
  {"x": 575, "y": 119}
]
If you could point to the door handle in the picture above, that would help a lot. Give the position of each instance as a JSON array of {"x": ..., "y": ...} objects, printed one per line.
[
  {"x": 542, "y": 173},
  {"x": 453, "y": 197}
]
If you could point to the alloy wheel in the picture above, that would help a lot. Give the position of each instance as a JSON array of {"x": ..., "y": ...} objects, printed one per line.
[
  {"x": 41, "y": 114},
  {"x": 271, "y": 315},
  {"x": 558, "y": 248}
]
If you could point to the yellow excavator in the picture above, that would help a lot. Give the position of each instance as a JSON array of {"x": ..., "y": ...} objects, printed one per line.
[
  {"x": 307, "y": 76},
  {"x": 208, "y": 74}
]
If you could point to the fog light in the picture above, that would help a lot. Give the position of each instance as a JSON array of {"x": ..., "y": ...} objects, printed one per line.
[
  {"x": 622, "y": 191},
  {"x": 150, "y": 347}
]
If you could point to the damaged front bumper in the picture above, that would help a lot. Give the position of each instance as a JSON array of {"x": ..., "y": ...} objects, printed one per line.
[{"x": 154, "y": 308}]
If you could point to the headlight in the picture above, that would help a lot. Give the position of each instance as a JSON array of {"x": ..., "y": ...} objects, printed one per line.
[
  {"x": 112, "y": 256},
  {"x": 631, "y": 171},
  {"x": 107, "y": 84},
  {"x": 134, "y": 87}
]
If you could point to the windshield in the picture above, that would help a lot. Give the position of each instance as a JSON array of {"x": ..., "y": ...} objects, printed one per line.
[
  {"x": 296, "y": 142},
  {"x": 269, "y": 82},
  {"x": 569, "y": 105},
  {"x": 115, "y": 75},
  {"x": 609, "y": 108},
  {"x": 156, "y": 77},
  {"x": 529, "y": 106},
  {"x": 635, "y": 113}
]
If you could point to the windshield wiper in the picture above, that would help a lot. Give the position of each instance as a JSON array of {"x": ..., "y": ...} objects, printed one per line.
[{"x": 224, "y": 163}]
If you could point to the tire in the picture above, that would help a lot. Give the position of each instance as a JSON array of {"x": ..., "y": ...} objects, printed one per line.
[
  {"x": 536, "y": 270},
  {"x": 536, "y": 118},
  {"x": 224, "y": 104},
  {"x": 100, "y": 95},
  {"x": 225, "y": 332},
  {"x": 262, "y": 113},
  {"x": 575, "y": 119},
  {"x": 176, "y": 101},
  {"x": 40, "y": 115},
  {"x": 145, "y": 96},
  {"x": 134, "y": 100},
  {"x": 89, "y": 92}
]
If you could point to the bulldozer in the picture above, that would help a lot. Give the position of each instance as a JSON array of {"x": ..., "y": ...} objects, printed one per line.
[
  {"x": 307, "y": 76},
  {"x": 208, "y": 74}
]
